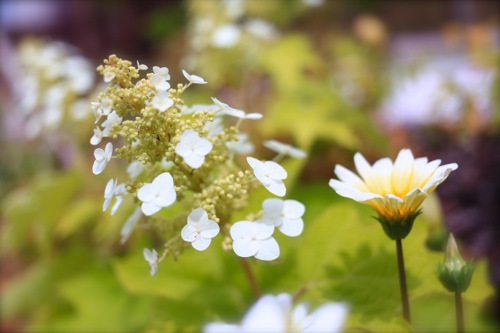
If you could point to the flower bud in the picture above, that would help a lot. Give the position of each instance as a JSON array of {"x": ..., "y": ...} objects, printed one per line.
[{"x": 454, "y": 272}]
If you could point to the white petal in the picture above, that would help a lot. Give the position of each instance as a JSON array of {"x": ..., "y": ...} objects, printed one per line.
[
  {"x": 146, "y": 193},
  {"x": 189, "y": 233},
  {"x": 362, "y": 166},
  {"x": 276, "y": 187},
  {"x": 194, "y": 161},
  {"x": 254, "y": 163},
  {"x": 98, "y": 167},
  {"x": 130, "y": 224},
  {"x": 275, "y": 170},
  {"x": 197, "y": 215},
  {"x": 268, "y": 249},
  {"x": 245, "y": 248},
  {"x": 273, "y": 207},
  {"x": 118, "y": 203},
  {"x": 203, "y": 147},
  {"x": 149, "y": 208},
  {"x": 292, "y": 227},
  {"x": 241, "y": 229},
  {"x": 221, "y": 328},
  {"x": 209, "y": 229},
  {"x": 293, "y": 209},
  {"x": 348, "y": 191},
  {"x": 164, "y": 180},
  {"x": 403, "y": 171},
  {"x": 201, "y": 243},
  {"x": 266, "y": 315},
  {"x": 328, "y": 318}
]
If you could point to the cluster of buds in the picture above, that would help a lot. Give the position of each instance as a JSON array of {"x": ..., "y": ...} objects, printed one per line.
[{"x": 183, "y": 174}]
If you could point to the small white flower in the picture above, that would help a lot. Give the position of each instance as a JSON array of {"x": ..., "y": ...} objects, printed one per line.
[
  {"x": 242, "y": 146},
  {"x": 109, "y": 192},
  {"x": 199, "y": 230},
  {"x": 110, "y": 121},
  {"x": 130, "y": 224},
  {"x": 152, "y": 259},
  {"x": 97, "y": 137},
  {"x": 102, "y": 157},
  {"x": 108, "y": 76},
  {"x": 230, "y": 111},
  {"x": 260, "y": 29},
  {"x": 270, "y": 174},
  {"x": 106, "y": 105},
  {"x": 141, "y": 67},
  {"x": 193, "y": 148},
  {"x": 160, "y": 78},
  {"x": 162, "y": 101},
  {"x": 286, "y": 215},
  {"x": 195, "y": 79},
  {"x": 134, "y": 169},
  {"x": 226, "y": 36},
  {"x": 158, "y": 194},
  {"x": 284, "y": 149},
  {"x": 254, "y": 239},
  {"x": 276, "y": 314}
]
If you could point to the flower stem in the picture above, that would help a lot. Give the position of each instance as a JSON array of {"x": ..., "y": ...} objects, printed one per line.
[
  {"x": 251, "y": 278},
  {"x": 402, "y": 281},
  {"x": 459, "y": 312}
]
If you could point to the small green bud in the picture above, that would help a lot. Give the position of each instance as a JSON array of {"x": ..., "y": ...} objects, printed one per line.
[
  {"x": 400, "y": 227},
  {"x": 454, "y": 272}
]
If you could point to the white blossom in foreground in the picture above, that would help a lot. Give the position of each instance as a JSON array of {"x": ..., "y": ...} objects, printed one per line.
[
  {"x": 199, "y": 230},
  {"x": 395, "y": 190},
  {"x": 254, "y": 239},
  {"x": 162, "y": 101},
  {"x": 276, "y": 314},
  {"x": 286, "y": 215},
  {"x": 158, "y": 194},
  {"x": 284, "y": 149},
  {"x": 194, "y": 79},
  {"x": 102, "y": 157},
  {"x": 152, "y": 259},
  {"x": 193, "y": 148},
  {"x": 270, "y": 174},
  {"x": 230, "y": 111},
  {"x": 160, "y": 78}
]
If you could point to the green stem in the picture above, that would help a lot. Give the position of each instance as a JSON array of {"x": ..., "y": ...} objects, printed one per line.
[
  {"x": 252, "y": 281},
  {"x": 459, "y": 311},
  {"x": 405, "y": 304}
]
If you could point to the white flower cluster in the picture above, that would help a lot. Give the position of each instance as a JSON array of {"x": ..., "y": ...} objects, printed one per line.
[
  {"x": 198, "y": 148},
  {"x": 54, "y": 84}
]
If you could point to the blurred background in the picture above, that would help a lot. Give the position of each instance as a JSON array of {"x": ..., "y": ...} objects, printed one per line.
[{"x": 331, "y": 77}]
